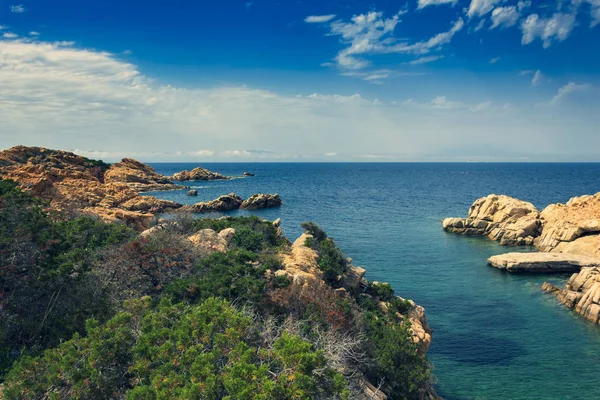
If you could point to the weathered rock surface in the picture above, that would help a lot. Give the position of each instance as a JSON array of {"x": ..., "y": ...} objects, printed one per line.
[
  {"x": 226, "y": 202},
  {"x": 505, "y": 219},
  {"x": 542, "y": 262},
  {"x": 137, "y": 176},
  {"x": 71, "y": 183},
  {"x": 192, "y": 193},
  {"x": 199, "y": 174},
  {"x": 581, "y": 294},
  {"x": 262, "y": 200},
  {"x": 567, "y": 223},
  {"x": 210, "y": 241}
]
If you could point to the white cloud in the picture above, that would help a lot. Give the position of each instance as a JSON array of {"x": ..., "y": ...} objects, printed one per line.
[
  {"x": 594, "y": 12},
  {"x": 2, "y": 27},
  {"x": 330, "y": 154},
  {"x": 505, "y": 17},
  {"x": 34, "y": 33},
  {"x": 480, "y": 25},
  {"x": 479, "y": 8},
  {"x": 494, "y": 60},
  {"x": 10, "y": 35},
  {"x": 60, "y": 96},
  {"x": 371, "y": 34},
  {"x": 537, "y": 78},
  {"x": 425, "y": 60},
  {"x": 425, "y": 3},
  {"x": 319, "y": 19},
  {"x": 525, "y": 72},
  {"x": 569, "y": 89},
  {"x": 558, "y": 27},
  {"x": 521, "y": 5},
  {"x": 17, "y": 9}
]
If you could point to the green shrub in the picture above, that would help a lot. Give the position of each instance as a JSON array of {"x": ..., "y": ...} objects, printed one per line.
[
  {"x": 264, "y": 229},
  {"x": 209, "y": 351}
]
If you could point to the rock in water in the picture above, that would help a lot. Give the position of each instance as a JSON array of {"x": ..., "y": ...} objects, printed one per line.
[
  {"x": 505, "y": 219},
  {"x": 582, "y": 293},
  {"x": 223, "y": 203},
  {"x": 199, "y": 174},
  {"x": 261, "y": 201},
  {"x": 248, "y": 174},
  {"x": 542, "y": 262},
  {"x": 192, "y": 193}
]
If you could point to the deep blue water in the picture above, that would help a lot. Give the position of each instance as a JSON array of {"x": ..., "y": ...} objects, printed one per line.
[{"x": 496, "y": 336}]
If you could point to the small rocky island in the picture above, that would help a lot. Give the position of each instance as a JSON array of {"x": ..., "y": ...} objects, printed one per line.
[
  {"x": 567, "y": 237},
  {"x": 199, "y": 174}
]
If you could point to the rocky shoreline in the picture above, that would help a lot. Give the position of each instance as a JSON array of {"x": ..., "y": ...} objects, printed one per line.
[
  {"x": 69, "y": 183},
  {"x": 567, "y": 237}
]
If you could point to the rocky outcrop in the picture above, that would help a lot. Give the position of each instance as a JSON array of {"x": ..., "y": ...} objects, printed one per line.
[
  {"x": 565, "y": 224},
  {"x": 581, "y": 293},
  {"x": 226, "y": 202},
  {"x": 502, "y": 218},
  {"x": 248, "y": 174},
  {"x": 208, "y": 241},
  {"x": 262, "y": 200},
  {"x": 542, "y": 262},
  {"x": 70, "y": 183},
  {"x": 192, "y": 193},
  {"x": 137, "y": 176},
  {"x": 232, "y": 201},
  {"x": 199, "y": 174}
]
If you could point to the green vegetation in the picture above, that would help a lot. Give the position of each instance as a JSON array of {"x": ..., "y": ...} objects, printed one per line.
[
  {"x": 208, "y": 351},
  {"x": 331, "y": 260},
  {"x": 90, "y": 310}
]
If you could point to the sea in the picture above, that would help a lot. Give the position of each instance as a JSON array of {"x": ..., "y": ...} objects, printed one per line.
[{"x": 495, "y": 335}]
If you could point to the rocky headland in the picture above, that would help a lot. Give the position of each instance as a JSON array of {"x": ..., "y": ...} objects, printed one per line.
[{"x": 567, "y": 237}]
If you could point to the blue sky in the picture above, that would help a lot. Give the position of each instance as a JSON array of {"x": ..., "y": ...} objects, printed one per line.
[{"x": 432, "y": 80}]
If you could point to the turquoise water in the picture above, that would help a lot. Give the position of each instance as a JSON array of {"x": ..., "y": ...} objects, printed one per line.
[{"x": 496, "y": 336}]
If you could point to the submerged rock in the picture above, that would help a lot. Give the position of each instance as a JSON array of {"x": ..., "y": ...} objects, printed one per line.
[
  {"x": 505, "y": 219},
  {"x": 199, "y": 174},
  {"x": 261, "y": 201},
  {"x": 192, "y": 193},
  {"x": 542, "y": 262}
]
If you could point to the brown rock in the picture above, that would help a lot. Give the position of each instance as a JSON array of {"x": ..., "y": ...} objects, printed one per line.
[
  {"x": 224, "y": 203},
  {"x": 71, "y": 183},
  {"x": 137, "y": 176},
  {"x": 505, "y": 219},
  {"x": 198, "y": 174},
  {"x": 261, "y": 201},
  {"x": 581, "y": 294},
  {"x": 209, "y": 241},
  {"x": 542, "y": 262}
]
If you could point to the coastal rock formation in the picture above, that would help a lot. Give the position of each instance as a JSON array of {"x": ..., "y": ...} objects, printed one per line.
[
  {"x": 301, "y": 267},
  {"x": 581, "y": 294},
  {"x": 198, "y": 174},
  {"x": 210, "y": 241},
  {"x": 566, "y": 224},
  {"x": 70, "y": 183},
  {"x": 542, "y": 262},
  {"x": 505, "y": 219},
  {"x": 261, "y": 201},
  {"x": 232, "y": 201},
  {"x": 137, "y": 176},
  {"x": 226, "y": 202},
  {"x": 248, "y": 174},
  {"x": 192, "y": 193}
]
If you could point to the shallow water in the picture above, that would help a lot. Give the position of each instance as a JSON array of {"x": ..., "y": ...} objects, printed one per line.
[{"x": 496, "y": 336}]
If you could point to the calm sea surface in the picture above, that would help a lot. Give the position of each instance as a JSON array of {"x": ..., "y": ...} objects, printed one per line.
[{"x": 496, "y": 336}]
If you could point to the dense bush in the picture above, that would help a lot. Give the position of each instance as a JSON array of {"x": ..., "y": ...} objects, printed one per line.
[
  {"x": 46, "y": 286},
  {"x": 209, "y": 351},
  {"x": 252, "y": 233}
]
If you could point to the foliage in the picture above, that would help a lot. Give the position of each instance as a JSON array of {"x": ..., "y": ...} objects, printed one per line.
[
  {"x": 248, "y": 231},
  {"x": 209, "y": 351},
  {"x": 47, "y": 290},
  {"x": 331, "y": 260}
]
